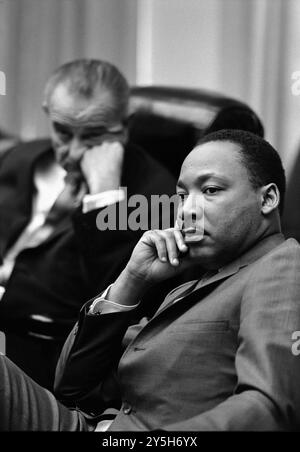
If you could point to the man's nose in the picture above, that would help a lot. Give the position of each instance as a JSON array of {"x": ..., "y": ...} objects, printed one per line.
[
  {"x": 76, "y": 149},
  {"x": 192, "y": 210}
]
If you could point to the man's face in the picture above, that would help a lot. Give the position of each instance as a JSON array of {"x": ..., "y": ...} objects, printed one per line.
[
  {"x": 215, "y": 184},
  {"x": 77, "y": 124}
]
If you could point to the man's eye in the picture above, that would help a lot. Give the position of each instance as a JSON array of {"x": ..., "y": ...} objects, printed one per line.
[
  {"x": 64, "y": 137},
  {"x": 92, "y": 136},
  {"x": 182, "y": 196},
  {"x": 63, "y": 134},
  {"x": 92, "y": 141},
  {"x": 211, "y": 190}
]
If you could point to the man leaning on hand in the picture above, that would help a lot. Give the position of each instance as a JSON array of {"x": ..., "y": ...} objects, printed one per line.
[
  {"x": 217, "y": 355},
  {"x": 52, "y": 255}
]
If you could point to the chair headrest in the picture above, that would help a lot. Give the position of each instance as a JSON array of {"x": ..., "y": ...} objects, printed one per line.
[{"x": 168, "y": 121}]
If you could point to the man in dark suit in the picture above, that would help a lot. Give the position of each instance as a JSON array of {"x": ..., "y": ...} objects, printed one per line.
[
  {"x": 53, "y": 255},
  {"x": 219, "y": 352}
]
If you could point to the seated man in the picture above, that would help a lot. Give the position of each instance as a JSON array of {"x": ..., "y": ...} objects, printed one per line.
[
  {"x": 219, "y": 352},
  {"x": 52, "y": 254}
]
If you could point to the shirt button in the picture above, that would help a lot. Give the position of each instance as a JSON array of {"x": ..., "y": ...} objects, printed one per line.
[{"x": 127, "y": 408}]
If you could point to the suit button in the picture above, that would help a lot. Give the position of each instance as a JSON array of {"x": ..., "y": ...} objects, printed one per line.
[{"x": 127, "y": 408}]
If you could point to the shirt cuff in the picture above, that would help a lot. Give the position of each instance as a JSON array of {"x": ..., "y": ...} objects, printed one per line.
[
  {"x": 106, "y": 198},
  {"x": 2, "y": 290},
  {"x": 102, "y": 306}
]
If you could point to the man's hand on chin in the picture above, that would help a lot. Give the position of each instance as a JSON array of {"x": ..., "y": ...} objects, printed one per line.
[
  {"x": 158, "y": 255},
  {"x": 102, "y": 166}
]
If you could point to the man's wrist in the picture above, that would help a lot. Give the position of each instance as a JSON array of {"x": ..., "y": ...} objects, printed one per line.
[
  {"x": 128, "y": 288},
  {"x": 99, "y": 185},
  {"x": 99, "y": 200},
  {"x": 101, "y": 305}
]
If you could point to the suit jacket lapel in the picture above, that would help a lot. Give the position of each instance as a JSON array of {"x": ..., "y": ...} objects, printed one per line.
[
  {"x": 16, "y": 183},
  {"x": 19, "y": 199},
  {"x": 194, "y": 291},
  {"x": 177, "y": 294}
]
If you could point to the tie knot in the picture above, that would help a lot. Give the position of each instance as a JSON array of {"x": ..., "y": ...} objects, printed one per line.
[{"x": 68, "y": 200}]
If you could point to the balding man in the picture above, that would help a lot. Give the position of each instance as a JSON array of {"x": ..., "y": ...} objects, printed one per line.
[{"x": 51, "y": 191}]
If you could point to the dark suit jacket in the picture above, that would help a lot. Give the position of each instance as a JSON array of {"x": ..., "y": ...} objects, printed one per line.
[
  {"x": 77, "y": 260},
  {"x": 218, "y": 359}
]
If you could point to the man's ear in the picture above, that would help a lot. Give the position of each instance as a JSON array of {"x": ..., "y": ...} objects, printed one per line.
[{"x": 270, "y": 198}]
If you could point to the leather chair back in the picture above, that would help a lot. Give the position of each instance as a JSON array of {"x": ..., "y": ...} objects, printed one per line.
[{"x": 168, "y": 121}]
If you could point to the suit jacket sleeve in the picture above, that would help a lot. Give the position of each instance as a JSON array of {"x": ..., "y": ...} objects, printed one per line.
[
  {"x": 105, "y": 252},
  {"x": 267, "y": 394},
  {"x": 86, "y": 370}
]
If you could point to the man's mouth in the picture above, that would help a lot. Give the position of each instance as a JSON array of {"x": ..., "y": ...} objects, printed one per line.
[
  {"x": 193, "y": 234},
  {"x": 190, "y": 230}
]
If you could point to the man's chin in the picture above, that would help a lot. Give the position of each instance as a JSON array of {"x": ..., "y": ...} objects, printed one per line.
[
  {"x": 196, "y": 251},
  {"x": 196, "y": 248},
  {"x": 200, "y": 249}
]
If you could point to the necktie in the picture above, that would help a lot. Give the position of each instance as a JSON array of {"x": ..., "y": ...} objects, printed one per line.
[
  {"x": 43, "y": 225},
  {"x": 68, "y": 200}
]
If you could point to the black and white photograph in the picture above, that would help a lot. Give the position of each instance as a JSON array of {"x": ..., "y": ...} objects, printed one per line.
[{"x": 149, "y": 219}]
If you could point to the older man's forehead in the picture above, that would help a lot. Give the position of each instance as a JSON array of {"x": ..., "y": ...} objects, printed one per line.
[
  {"x": 68, "y": 94},
  {"x": 87, "y": 119},
  {"x": 78, "y": 111}
]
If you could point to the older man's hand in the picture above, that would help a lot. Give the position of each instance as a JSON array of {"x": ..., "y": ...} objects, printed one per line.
[{"x": 102, "y": 166}]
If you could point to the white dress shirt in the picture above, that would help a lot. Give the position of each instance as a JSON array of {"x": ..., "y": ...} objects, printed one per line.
[{"x": 49, "y": 182}]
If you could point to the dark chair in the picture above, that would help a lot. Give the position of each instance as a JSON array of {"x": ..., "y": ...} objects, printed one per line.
[{"x": 167, "y": 122}]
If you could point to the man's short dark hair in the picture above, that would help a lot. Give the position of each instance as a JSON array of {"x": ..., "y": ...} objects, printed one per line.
[
  {"x": 84, "y": 77},
  {"x": 261, "y": 160}
]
